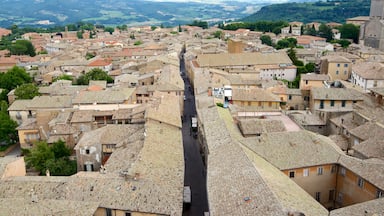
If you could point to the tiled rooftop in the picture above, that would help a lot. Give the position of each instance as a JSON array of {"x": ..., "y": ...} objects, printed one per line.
[
  {"x": 370, "y": 208},
  {"x": 336, "y": 94},
  {"x": 257, "y": 58},
  {"x": 289, "y": 150}
]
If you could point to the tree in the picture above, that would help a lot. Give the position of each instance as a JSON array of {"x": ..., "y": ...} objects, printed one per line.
[
  {"x": 14, "y": 77},
  {"x": 109, "y": 29},
  {"x": 60, "y": 150},
  {"x": 54, "y": 158},
  {"x": 94, "y": 74},
  {"x": 292, "y": 54},
  {"x": 22, "y": 47},
  {"x": 311, "y": 31},
  {"x": 350, "y": 31},
  {"x": 26, "y": 91},
  {"x": 266, "y": 39},
  {"x": 8, "y": 132},
  {"x": 218, "y": 34},
  {"x": 344, "y": 43},
  {"x": 283, "y": 43},
  {"x": 310, "y": 67},
  {"x": 63, "y": 77},
  {"x": 325, "y": 32},
  {"x": 199, "y": 23},
  {"x": 38, "y": 156},
  {"x": 79, "y": 34}
]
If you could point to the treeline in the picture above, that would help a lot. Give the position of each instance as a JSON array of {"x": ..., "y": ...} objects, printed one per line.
[
  {"x": 330, "y": 11},
  {"x": 262, "y": 26}
]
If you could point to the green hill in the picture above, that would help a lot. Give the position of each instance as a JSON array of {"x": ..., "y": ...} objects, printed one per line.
[{"x": 330, "y": 11}]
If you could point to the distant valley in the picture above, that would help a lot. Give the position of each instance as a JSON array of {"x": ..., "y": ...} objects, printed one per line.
[
  {"x": 118, "y": 12},
  {"x": 40, "y": 13}
]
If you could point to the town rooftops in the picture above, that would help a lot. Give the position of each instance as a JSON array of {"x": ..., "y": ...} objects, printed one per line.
[
  {"x": 371, "y": 148},
  {"x": 372, "y": 207},
  {"x": 379, "y": 91},
  {"x": 165, "y": 109},
  {"x": 314, "y": 77},
  {"x": 240, "y": 59},
  {"x": 368, "y": 130},
  {"x": 260, "y": 126},
  {"x": 108, "y": 96},
  {"x": 369, "y": 70},
  {"x": 336, "y": 94},
  {"x": 239, "y": 182},
  {"x": 109, "y": 134},
  {"x": 19, "y": 105},
  {"x": 372, "y": 170},
  {"x": 25, "y": 206},
  {"x": 100, "y": 63},
  {"x": 50, "y": 102},
  {"x": 336, "y": 59},
  {"x": 253, "y": 95},
  {"x": 290, "y": 150},
  {"x": 234, "y": 186}
]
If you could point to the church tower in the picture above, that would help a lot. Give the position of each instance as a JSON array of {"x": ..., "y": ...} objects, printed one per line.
[
  {"x": 377, "y": 9},
  {"x": 372, "y": 32}
]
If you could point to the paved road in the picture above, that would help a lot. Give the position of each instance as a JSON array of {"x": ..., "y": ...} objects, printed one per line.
[
  {"x": 195, "y": 173},
  {"x": 15, "y": 152}
]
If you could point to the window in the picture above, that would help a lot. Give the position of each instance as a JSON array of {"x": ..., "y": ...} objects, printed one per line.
[
  {"x": 340, "y": 198},
  {"x": 332, "y": 103},
  {"x": 345, "y": 72},
  {"x": 321, "y": 104},
  {"x": 317, "y": 196},
  {"x": 291, "y": 174},
  {"x": 345, "y": 65},
  {"x": 306, "y": 172},
  {"x": 342, "y": 171},
  {"x": 379, "y": 193},
  {"x": 320, "y": 171},
  {"x": 306, "y": 82},
  {"x": 331, "y": 195},
  {"x": 360, "y": 182},
  {"x": 343, "y": 103},
  {"x": 127, "y": 213},
  {"x": 333, "y": 169},
  {"x": 338, "y": 65},
  {"x": 108, "y": 212},
  {"x": 289, "y": 97},
  {"x": 337, "y": 72},
  {"x": 87, "y": 151}
]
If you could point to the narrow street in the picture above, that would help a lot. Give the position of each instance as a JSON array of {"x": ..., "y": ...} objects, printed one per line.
[{"x": 195, "y": 173}]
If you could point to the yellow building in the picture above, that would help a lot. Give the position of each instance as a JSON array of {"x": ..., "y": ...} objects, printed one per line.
[
  {"x": 29, "y": 133},
  {"x": 317, "y": 165},
  {"x": 333, "y": 99},
  {"x": 255, "y": 99},
  {"x": 337, "y": 67}
]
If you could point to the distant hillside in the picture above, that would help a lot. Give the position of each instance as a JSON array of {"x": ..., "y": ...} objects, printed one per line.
[
  {"x": 332, "y": 11},
  {"x": 40, "y": 13}
]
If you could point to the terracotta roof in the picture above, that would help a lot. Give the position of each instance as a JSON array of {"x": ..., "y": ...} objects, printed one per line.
[
  {"x": 336, "y": 94},
  {"x": 369, "y": 70},
  {"x": 260, "y": 126},
  {"x": 290, "y": 150},
  {"x": 314, "y": 77},
  {"x": 233, "y": 59},
  {"x": 100, "y": 62},
  {"x": 373, "y": 208},
  {"x": 253, "y": 95}
]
